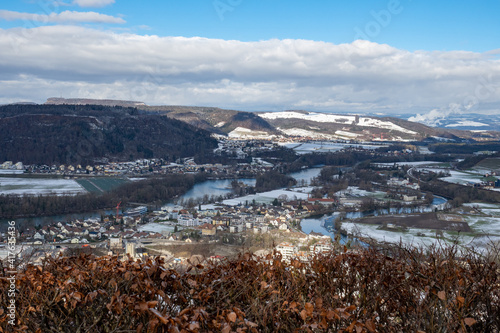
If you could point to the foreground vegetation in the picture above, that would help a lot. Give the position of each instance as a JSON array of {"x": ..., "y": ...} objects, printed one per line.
[{"x": 370, "y": 290}]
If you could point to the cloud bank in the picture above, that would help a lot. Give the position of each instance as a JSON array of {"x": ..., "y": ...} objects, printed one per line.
[
  {"x": 266, "y": 75},
  {"x": 63, "y": 17}
]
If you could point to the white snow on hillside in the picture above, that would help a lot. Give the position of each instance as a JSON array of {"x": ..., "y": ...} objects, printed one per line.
[
  {"x": 346, "y": 134},
  {"x": 312, "y": 116},
  {"x": 337, "y": 119},
  {"x": 305, "y": 133},
  {"x": 468, "y": 123},
  {"x": 242, "y": 132}
]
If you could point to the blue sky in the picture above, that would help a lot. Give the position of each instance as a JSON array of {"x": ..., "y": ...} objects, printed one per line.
[
  {"x": 304, "y": 52},
  {"x": 410, "y": 25}
]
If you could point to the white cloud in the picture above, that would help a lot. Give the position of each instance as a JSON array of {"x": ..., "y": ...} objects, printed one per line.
[
  {"x": 436, "y": 116},
  {"x": 63, "y": 17},
  {"x": 93, "y": 3},
  {"x": 265, "y": 75}
]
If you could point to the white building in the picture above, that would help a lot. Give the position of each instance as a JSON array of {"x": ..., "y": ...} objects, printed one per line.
[
  {"x": 115, "y": 243},
  {"x": 131, "y": 249},
  {"x": 187, "y": 220},
  {"x": 287, "y": 250},
  {"x": 321, "y": 247}
]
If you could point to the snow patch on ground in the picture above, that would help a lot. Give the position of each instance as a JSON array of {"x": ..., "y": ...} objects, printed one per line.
[
  {"x": 36, "y": 186},
  {"x": 469, "y": 123},
  {"x": 305, "y": 148},
  {"x": 268, "y": 197},
  {"x": 242, "y": 132},
  {"x": 347, "y": 134},
  {"x": 312, "y": 116},
  {"x": 409, "y": 238},
  {"x": 305, "y": 133},
  {"x": 458, "y": 177},
  {"x": 354, "y": 191},
  {"x": 156, "y": 227},
  {"x": 11, "y": 171}
]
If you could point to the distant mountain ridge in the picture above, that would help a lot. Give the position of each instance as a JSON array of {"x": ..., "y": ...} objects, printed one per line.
[
  {"x": 87, "y": 101},
  {"x": 314, "y": 125}
]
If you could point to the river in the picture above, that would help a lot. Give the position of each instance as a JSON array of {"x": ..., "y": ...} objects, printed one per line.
[
  {"x": 223, "y": 186},
  {"x": 325, "y": 224}
]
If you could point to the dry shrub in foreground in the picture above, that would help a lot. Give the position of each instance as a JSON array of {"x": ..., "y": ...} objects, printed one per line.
[{"x": 397, "y": 290}]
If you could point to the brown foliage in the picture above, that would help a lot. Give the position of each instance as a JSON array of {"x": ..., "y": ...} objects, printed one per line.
[{"x": 399, "y": 290}]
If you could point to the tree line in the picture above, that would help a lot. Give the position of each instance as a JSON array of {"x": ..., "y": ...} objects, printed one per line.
[{"x": 273, "y": 180}]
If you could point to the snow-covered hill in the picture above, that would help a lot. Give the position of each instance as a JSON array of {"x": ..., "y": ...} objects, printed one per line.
[
  {"x": 336, "y": 119},
  {"x": 334, "y": 126}
]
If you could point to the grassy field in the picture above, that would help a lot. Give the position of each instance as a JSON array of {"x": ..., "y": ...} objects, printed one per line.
[
  {"x": 490, "y": 163},
  {"x": 101, "y": 185}
]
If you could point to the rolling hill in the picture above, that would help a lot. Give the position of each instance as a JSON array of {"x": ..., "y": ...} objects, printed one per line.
[
  {"x": 314, "y": 125},
  {"x": 216, "y": 120},
  {"x": 70, "y": 134}
]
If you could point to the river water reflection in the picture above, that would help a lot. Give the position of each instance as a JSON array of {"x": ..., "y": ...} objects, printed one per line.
[
  {"x": 325, "y": 224},
  {"x": 223, "y": 186}
]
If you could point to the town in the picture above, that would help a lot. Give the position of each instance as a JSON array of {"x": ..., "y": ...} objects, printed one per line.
[{"x": 236, "y": 219}]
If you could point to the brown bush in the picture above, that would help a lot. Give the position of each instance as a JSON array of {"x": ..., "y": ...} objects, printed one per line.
[{"x": 396, "y": 290}]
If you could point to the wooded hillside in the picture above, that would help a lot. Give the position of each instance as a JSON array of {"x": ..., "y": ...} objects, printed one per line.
[{"x": 84, "y": 134}]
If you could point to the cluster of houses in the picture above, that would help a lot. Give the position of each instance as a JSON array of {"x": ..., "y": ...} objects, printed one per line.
[
  {"x": 208, "y": 222},
  {"x": 238, "y": 149},
  {"x": 143, "y": 167},
  {"x": 491, "y": 181},
  {"x": 9, "y": 165},
  {"x": 305, "y": 246},
  {"x": 237, "y": 219},
  {"x": 83, "y": 232}
]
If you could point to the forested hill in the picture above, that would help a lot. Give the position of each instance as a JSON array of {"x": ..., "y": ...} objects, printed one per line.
[{"x": 83, "y": 134}]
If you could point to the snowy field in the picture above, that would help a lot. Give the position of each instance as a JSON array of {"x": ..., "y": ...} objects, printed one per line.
[
  {"x": 418, "y": 237},
  {"x": 485, "y": 225},
  {"x": 408, "y": 238},
  {"x": 354, "y": 191},
  {"x": 11, "y": 172},
  {"x": 36, "y": 186},
  {"x": 268, "y": 197},
  {"x": 156, "y": 227},
  {"x": 337, "y": 119},
  {"x": 424, "y": 150},
  {"x": 324, "y": 147},
  {"x": 457, "y": 177},
  {"x": 462, "y": 178},
  {"x": 489, "y": 224}
]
